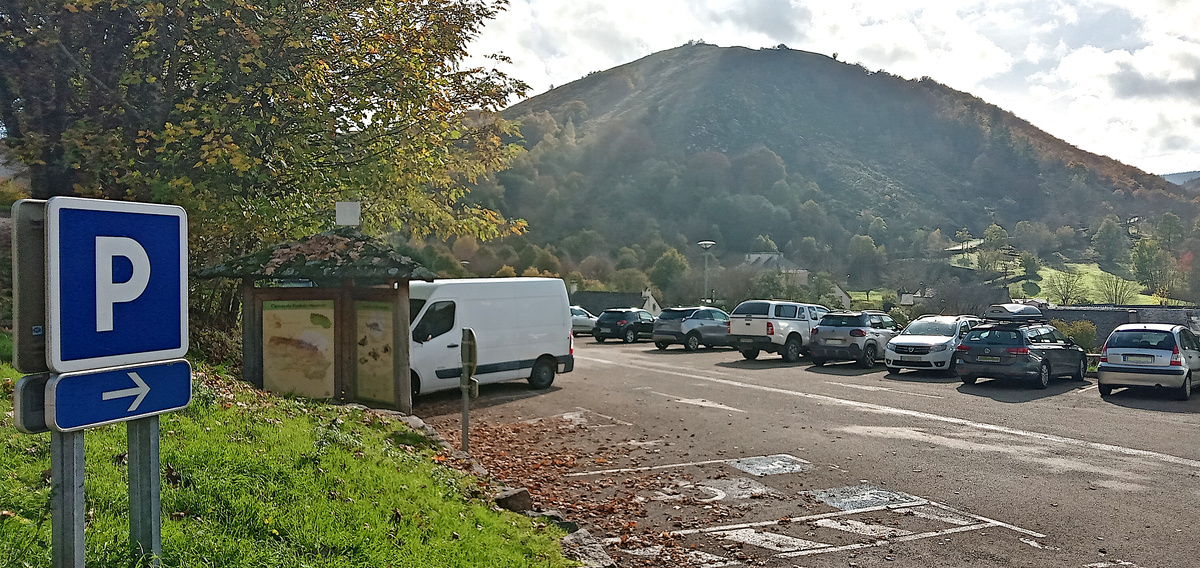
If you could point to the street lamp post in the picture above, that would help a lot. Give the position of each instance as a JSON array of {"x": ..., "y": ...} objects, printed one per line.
[{"x": 705, "y": 245}]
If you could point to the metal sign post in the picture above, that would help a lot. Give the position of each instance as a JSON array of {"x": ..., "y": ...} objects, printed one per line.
[
  {"x": 105, "y": 317},
  {"x": 468, "y": 384}
]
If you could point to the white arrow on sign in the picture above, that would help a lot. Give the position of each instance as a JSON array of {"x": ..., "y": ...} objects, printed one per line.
[{"x": 140, "y": 391}]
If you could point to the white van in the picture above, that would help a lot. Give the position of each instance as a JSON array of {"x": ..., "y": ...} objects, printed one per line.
[{"x": 522, "y": 330}]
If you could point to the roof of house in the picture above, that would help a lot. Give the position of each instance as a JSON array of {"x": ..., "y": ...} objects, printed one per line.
[{"x": 769, "y": 261}]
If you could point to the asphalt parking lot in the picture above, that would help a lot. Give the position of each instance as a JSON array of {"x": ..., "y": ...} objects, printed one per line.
[{"x": 719, "y": 461}]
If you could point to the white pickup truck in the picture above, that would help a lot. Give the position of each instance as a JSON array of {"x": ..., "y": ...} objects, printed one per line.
[{"x": 775, "y": 326}]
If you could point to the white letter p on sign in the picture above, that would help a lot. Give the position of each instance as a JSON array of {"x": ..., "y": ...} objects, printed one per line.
[{"x": 109, "y": 292}]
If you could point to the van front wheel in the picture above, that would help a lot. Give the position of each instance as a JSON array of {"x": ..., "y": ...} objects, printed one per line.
[{"x": 542, "y": 375}]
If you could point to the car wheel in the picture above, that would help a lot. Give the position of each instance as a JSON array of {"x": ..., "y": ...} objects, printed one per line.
[
  {"x": 1185, "y": 392},
  {"x": 868, "y": 358},
  {"x": 818, "y": 362},
  {"x": 416, "y": 387},
  {"x": 691, "y": 342},
  {"x": 661, "y": 344},
  {"x": 894, "y": 370},
  {"x": 1082, "y": 370},
  {"x": 750, "y": 354},
  {"x": 599, "y": 338},
  {"x": 630, "y": 335},
  {"x": 542, "y": 375},
  {"x": 968, "y": 379},
  {"x": 1043, "y": 379},
  {"x": 1105, "y": 390},
  {"x": 791, "y": 350}
]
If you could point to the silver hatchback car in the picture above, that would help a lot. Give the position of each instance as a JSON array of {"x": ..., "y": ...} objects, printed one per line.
[
  {"x": 692, "y": 327},
  {"x": 856, "y": 336},
  {"x": 1150, "y": 355}
]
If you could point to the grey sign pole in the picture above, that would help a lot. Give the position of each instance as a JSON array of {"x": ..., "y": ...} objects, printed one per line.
[
  {"x": 145, "y": 484},
  {"x": 470, "y": 359},
  {"x": 67, "y": 505}
]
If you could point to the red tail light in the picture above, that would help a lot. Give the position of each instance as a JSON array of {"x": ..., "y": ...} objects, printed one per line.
[
  {"x": 1104, "y": 353},
  {"x": 622, "y": 322},
  {"x": 728, "y": 328},
  {"x": 571, "y": 336},
  {"x": 813, "y": 332},
  {"x": 858, "y": 333},
  {"x": 962, "y": 348},
  {"x": 1017, "y": 350},
  {"x": 770, "y": 328},
  {"x": 1176, "y": 360}
]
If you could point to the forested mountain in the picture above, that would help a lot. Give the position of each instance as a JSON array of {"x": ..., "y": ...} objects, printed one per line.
[{"x": 705, "y": 142}]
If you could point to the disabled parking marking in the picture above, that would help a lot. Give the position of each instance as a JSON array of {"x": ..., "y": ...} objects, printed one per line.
[
  {"x": 859, "y": 497},
  {"x": 859, "y": 527},
  {"x": 934, "y": 514},
  {"x": 699, "y": 402},
  {"x": 772, "y": 465},
  {"x": 769, "y": 541}
]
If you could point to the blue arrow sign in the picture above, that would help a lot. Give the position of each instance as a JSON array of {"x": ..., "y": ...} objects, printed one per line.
[{"x": 76, "y": 401}]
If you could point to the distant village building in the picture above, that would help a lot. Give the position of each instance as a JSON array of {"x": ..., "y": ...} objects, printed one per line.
[{"x": 775, "y": 261}]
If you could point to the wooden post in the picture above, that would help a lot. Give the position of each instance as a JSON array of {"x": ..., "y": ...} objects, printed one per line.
[
  {"x": 344, "y": 373},
  {"x": 252, "y": 335},
  {"x": 400, "y": 361}
]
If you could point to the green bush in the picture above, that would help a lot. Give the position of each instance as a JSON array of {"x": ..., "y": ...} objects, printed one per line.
[{"x": 1082, "y": 331}]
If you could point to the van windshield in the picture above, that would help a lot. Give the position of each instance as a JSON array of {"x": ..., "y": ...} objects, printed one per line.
[{"x": 414, "y": 308}]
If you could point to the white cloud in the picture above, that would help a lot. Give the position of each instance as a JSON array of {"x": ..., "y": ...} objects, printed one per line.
[{"x": 1116, "y": 77}]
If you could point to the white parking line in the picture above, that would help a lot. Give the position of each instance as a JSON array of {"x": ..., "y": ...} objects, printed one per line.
[
  {"x": 887, "y": 389},
  {"x": 770, "y": 541},
  {"x": 907, "y": 538},
  {"x": 644, "y": 468},
  {"x": 859, "y": 527},
  {"x": 870, "y": 407},
  {"x": 1085, "y": 389}
]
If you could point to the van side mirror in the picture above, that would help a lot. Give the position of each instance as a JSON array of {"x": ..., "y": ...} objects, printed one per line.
[{"x": 420, "y": 333}]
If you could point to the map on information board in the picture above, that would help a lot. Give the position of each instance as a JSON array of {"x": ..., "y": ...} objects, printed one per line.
[{"x": 298, "y": 340}]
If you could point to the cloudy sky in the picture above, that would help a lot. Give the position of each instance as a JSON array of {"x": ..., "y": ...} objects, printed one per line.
[{"x": 1118, "y": 78}]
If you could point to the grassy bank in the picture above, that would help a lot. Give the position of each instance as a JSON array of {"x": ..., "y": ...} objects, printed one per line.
[{"x": 256, "y": 480}]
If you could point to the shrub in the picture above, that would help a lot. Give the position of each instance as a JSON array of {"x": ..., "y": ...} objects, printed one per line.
[{"x": 1082, "y": 331}]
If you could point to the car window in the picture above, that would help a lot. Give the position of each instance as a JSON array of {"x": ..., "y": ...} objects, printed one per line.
[
  {"x": 577, "y": 312},
  {"x": 888, "y": 322},
  {"x": 438, "y": 319},
  {"x": 1059, "y": 337},
  {"x": 1189, "y": 340},
  {"x": 645, "y": 316},
  {"x": 877, "y": 322},
  {"x": 813, "y": 313},
  {"x": 675, "y": 314},
  {"x": 1141, "y": 339},
  {"x": 839, "y": 320},
  {"x": 607, "y": 317},
  {"x": 702, "y": 315},
  {"x": 928, "y": 327},
  {"x": 785, "y": 311},
  {"x": 752, "y": 309},
  {"x": 1037, "y": 335},
  {"x": 993, "y": 337},
  {"x": 719, "y": 315}
]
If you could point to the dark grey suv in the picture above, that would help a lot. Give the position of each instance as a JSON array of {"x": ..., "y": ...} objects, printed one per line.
[
  {"x": 626, "y": 324},
  {"x": 1025, "y": 350},
  {"x": 692, "y": 327}
]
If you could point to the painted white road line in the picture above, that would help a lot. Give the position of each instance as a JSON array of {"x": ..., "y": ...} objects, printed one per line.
[
  {"x": 1112, "y": 564},
  {"x": 992, "y": 522},
  {"x": 887, "y": 389},
  {"x": 884, "y": 542},
  {"x": 769, "y": 540},
  {"x": 644, "y": 468},
  {"x": 698, "y": 558},
  {"x": 859, "y": 527},
  {"x": 1086, "y": 389},
  {"x": 935, "y": 514},
  {"x": 699, "y": 402},
  {"x": 804, "y": 519},
  {"x": 879, "y": 408}
]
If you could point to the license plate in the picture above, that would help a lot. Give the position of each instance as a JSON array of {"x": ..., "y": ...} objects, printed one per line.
[
  {"x": 1138, "y": 358},
  {"x": 988, "y": 359},
  {"x": 833, "y": 342},
  {"x": 606, "y": 330},
  {"x": 902, "y": 358}
]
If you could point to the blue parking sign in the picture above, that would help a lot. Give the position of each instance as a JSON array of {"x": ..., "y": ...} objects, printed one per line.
[{"x": 116, "y": 283}]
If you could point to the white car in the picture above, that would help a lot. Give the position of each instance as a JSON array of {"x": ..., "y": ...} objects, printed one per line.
[
  {"x": 773, "y": 326},
  {"x": 582, "y": 321},
  {"x": 928, "y": 343}
]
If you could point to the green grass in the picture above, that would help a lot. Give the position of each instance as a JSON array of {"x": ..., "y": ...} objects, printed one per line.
[
  {"x": 1091, "y": 277},
  {"x": 253, "y": 480}
]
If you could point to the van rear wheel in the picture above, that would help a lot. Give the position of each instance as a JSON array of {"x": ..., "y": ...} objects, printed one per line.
[
  {"x": 750, "y": 354},
  {"x": 416, "y": 387},
  {"x": 542, "y": 375}
]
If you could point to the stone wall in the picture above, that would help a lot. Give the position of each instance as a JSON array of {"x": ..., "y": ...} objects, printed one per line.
[{"x": 1108, "y": 318}]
